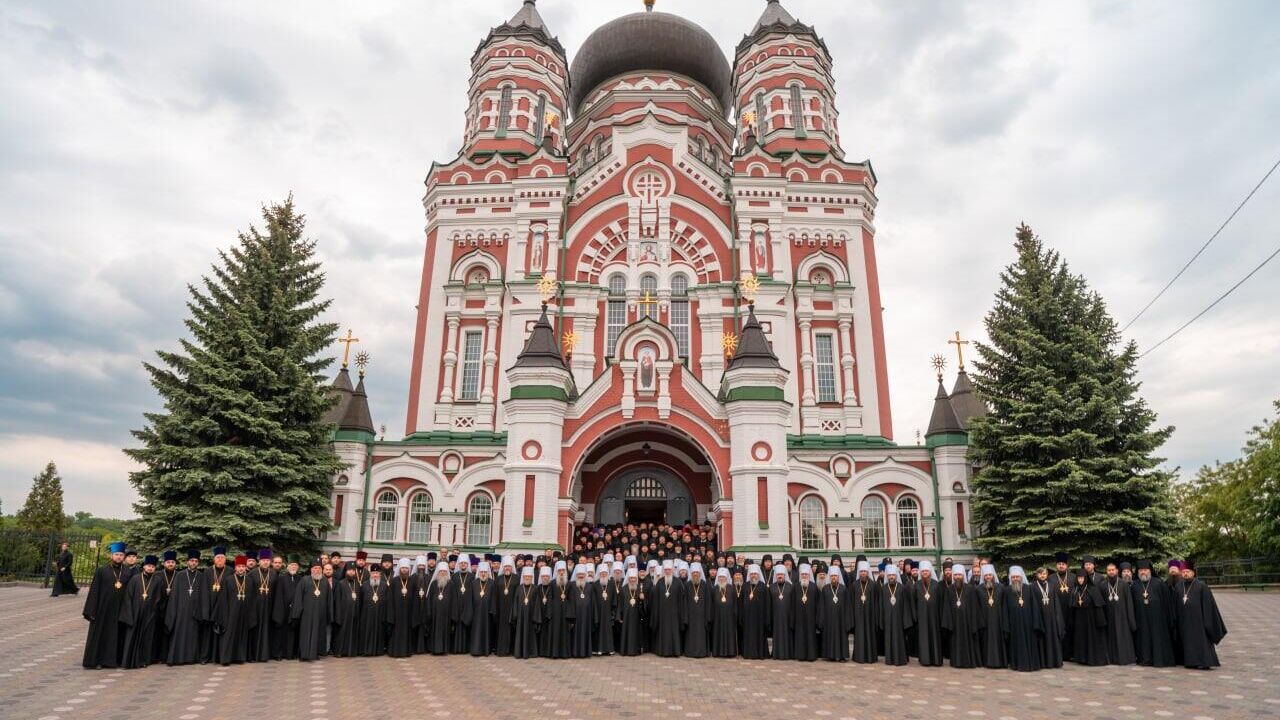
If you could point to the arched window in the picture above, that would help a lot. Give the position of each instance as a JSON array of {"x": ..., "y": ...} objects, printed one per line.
[
  {"x": 539, "y": 119},
  {"x": 908, "y": 522},
  {"x": 387, "y": 510},
  {"x": 813, "y": 523},
  {"x": 873, "y": 523},
  {"x": 825, "y": 366},
  {"x": 797, "y": 111},
  {"x": 479, "y": 519},
  {"x": 504, "y": 111},
  {"x": 615, "y": 311},
  {"x": 420, "y": 518},
  {"x": 646, "y": 488},
  {"x": 596, "y": 146},
  {"x": 679, "y": 314},
  {"x": 761, "y": 128},
  {"x": 649, "y": 286}
]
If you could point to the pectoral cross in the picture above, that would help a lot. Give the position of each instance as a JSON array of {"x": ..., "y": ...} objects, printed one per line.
[
  {"x": 645, "y": 302},
  {"x": 959, "y": 348},
  {"x": 346, "y": 349}
]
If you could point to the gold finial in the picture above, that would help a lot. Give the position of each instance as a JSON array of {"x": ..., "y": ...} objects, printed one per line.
[
  {"x": 362, "y": 361},
  {"x": 730, "y": 344},
  {"x": 648, "y": 5},
  {"x": 547, "y": 287},
  {"x": 346, "y": 350},
  {"x": 550, "y": 119},
  {"x": 749, "y": 118},
  {"x": 570, "y": 341},
  {"x": 749, "y": 285},
  {"x": 938, "y": 363},
  {"x": 959, "y": 348},
  {"x": 647, "y": 301}
]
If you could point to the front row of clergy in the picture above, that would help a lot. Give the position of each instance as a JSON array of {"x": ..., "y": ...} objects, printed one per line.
[{"x": 236, "y": 614}]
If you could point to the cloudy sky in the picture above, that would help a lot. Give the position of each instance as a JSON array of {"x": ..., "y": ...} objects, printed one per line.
[{"x": 136, "y": 139}]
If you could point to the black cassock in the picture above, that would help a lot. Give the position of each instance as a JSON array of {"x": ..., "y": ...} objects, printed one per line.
[
  {"x": 1120, "y": 622},
  {"x": 926, "y": 612},
  {"x": 835, "y": 620},
  {"x": 525, "y": 616},
  {"x": 284, "y": 631},
  {"x": 346, "y": 616},
  {"x": 182, "y": 617},
  {"x": 963, "y": 618},
  {"x": 1156, "y": 617},
  {"x": 104, "y": 645},
  {"x": 234, "y": 614},
  {"x": 782, "y": 621},
  {"x": 484, "y": 609},
  {"x": 504, "y": 599},
  {"x": 265, "y": 591},
  {"x": 607, "y": 597},
  {"x": 64, "y": 583},
  {"x": 865, "y": 598},
  {"x": 697, "y": 616},
  {"x": 139, "y": 620},
  {"x": 556, "y": 612},
  {"x": 437, "y": 614},
  {"x": 215, "y": 581},
  {"x": 459, "y": 586},
  {"x": 666, "y": 616},
  {"x": 1050, "y": 600},
  {"x": 583, "y": 610},
  {"x": 160, "y": 646},
  {"x": 804, "y": 624},
  {"x": 631, "y": 620},
  {"x": 1088, "y": 625},
  {"x": 401, "y": 620},
  {"x": 895, "y": 618},
  {"x": 310, "y": 613},
  {"x": 724, "y": 621},
  {"x": 1024, "y": 623},
  {"x": 1063, "y": 585},
  {"x": 753, "y": 616},
  {"x": 1200, "y": 625},
  {"x": 994, "y": 626},
  {"x": 374, "y": 618}
]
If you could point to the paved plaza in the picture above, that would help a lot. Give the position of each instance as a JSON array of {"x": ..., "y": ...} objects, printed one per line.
[{"x": 42, "y": 638}]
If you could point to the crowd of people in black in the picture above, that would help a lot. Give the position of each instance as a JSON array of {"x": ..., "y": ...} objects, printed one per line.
[{"x": 637, "y": 589}]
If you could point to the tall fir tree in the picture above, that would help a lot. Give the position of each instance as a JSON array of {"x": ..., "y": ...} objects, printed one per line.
[
  {"x": 43, "y": 509},
  {"x": 1066, "y": 454},
  {"x": 240, "y": 455}
]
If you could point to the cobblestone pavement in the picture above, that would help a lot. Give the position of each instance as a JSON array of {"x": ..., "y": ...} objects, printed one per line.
[{"x": 42, "y": 639}]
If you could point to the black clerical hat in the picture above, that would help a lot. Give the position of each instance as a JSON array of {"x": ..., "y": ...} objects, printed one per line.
[
  {"x": 1062, "y": 557},
  {"x": 150, "y": 560},
  {"x": 170, "y": 555},
  {"x": 193, "y": 554},
  {"x": 295, "y": 558},
  {"x": 431, "y": 556},
  {"x": 1089, "y": 559}
]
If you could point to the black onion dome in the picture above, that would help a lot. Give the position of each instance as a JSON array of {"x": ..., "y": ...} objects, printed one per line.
[{"x": 649, "y": 41}]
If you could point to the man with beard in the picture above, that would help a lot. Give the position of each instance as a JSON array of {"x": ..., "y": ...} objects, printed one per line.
[
  {"x": 388, "y": 564},
  {"x": 233, "y": 615},
  {"x": 1089, "y": 566},
  {"x": 602, "y": 639},
  {"x": 666, "y": 605},
  {"x": 583, "y": 613},
  {"x": 697, "y": 613},
  {"x": 437, "y": 612},
  {"x": 1024, "y": 622},
  {"x": 753, "y": 615},
  {"x": 926, "y": 600},
  {"x": 1120, "y": 618},
  {"x": 284, "y": 631},
  {"x": 804, "y": 624},
  {"x": 374, "y": 617},
  {"x": 724, "y": 616},
  {"x": 630, "y": 615},
  {"x": 182, "y": 610},
  {"x": 1155, "y": 618},
  {"x": 1049, "y": 601},
  {"x": 264, "y": 581},
  {"x": 962, "y": 618},
  {"x": 309, "y": 611},
  {"x": 333, "y": 576},
  {"x": 402, "y": 596},
  {"x": 834, "y": 617},
  {"x": 1200, "y": 626},
  {"x": 504, "y": 596},
  {"x": 525, "y": 615},
  {"x": 894, "y": 617},
  {"x": 995, "y": 631},
  {"x": 781, "y": 616},
  {"x": 866, "y": 615},
  {"x": 216, "y": 580},
  {"x": 1088, "y": 622},
  {"x": 130, "y": 564},
  {"x": 346, "y": 615},
  {"x": 462, "y": 605},
  {"x": 138, "y": 615},
  {"x": 483, "y": 610},
  {"x": 556, "y": 616},
  {"x": 168, "y": 573}
]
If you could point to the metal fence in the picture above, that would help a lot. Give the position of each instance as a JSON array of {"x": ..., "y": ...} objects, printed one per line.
[
  {"x": 28, "y": 555},
  {"x": 1239, "y": 572}
]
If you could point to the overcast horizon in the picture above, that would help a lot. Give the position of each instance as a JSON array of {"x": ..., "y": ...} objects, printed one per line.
[{"x": 137, "y": 140}]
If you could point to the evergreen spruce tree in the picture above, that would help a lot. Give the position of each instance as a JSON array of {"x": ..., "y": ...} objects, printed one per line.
[
  {"x": 43, "y": 508},
  {"x": 1066, "y": 454},
  {"x": 240, "y": 455}
]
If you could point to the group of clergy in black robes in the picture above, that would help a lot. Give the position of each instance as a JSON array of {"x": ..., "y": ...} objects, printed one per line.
[{"x": 551, "y": 607}]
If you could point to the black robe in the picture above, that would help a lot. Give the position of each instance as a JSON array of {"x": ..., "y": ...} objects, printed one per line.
[
  {"x": 401, "y": 620},
  {"x": 556, "y": 618},
  {"x": 503, "y": 600},
  {"x": 437, "y": 616},
  {"x": 804, "y": 625},
  {"x": 631, "y": 619},
  {"x": 1088, "y": 611},
  {"x": 995, "y": 630},
  {"x": 834, "y": 620},
  {"x": 346, "y": 616},
  {"x": 1200, "y": 625},
  {"x": 160, "y": 645},
  {"x": 723, "y": 620},
  {"x": 926, "y": 614},
  {"x": 607, "y": 602},
  {"x": 666, "y": 616},
  {"x": 697, "y": 616},
  {"x": 484, "y": 610},
  {"x": 64, "y": 582},
  {"x": 215, "y": 582},
  {"x": 284, "y": 631},
  {"x": 1049, "y": 643},
  {"x": 375, "y": 616},
  {"x": 1024, "y": 624},
  {"x": 459, "y": 586},
  {"x": 139, "y": 620},
  {"x": 524, "y": 614},
  {"x": 583, "y": 609},
  {"x": 182, "y": 617},
  {"x": 963, "y": 619},
  {"x": 233, "y": 616},
  {"x": 865, "y": 598},
  {"x": 1156, "y": 617},
  {"x": 105, "y": 642},
  {"x": 894, "y": 619},
  {"x": 310, "y": 612},
  {"x": 1120, "y": 622},
  {"x": 753, "y": 616},
  {"x": 265, "y": 591}
]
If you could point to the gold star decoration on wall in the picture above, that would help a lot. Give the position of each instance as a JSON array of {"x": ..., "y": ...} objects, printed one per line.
[
  {"x": 570, "y": 341},
  {"x": 749, "y": 285},
  {"x": 730, "y": 344},
  {"x": 547, "y": 288}
]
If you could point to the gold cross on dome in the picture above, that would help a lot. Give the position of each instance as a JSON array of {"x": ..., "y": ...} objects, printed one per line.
[
  {"x": 647, "y": 301},
  {"x": 959, "y": 348},
  {"x": 346, "y": 350}
]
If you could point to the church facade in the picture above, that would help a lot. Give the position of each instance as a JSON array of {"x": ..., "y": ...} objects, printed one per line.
[{"x": 649, "y": 293}]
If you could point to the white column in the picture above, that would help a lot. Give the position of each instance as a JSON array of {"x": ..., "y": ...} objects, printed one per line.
[
  {"x": 490, "y": 358},
  {"x": 846, "y": 360},
  {"x": 450, "y": 359},
  {"x": 806, "y": 362}
]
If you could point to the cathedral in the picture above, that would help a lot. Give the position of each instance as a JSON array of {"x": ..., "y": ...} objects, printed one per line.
[{"x": 649, "y": 294}]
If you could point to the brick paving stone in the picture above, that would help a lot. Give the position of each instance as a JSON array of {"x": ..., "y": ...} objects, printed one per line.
[{"x": 42, "y": 638}]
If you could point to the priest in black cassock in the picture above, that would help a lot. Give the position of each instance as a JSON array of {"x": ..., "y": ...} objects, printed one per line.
[
  {"x": 216, "y": 580},
  {"x": 753, "y": 615},
  {"x": 459, "y": 585},
  {"x": 309, "y": 611},
  {"x": 1120, "y": 618},
  {"x": 168, "y": 573},
  {"x": 926, "y": 611},
  {"x": 582, "y": 612},
  {"x": 1050, "y": 602},
  {"x": 504, "y": 598},
  {"x": 724, "y": 616},
  {"x": 556, "y": 615},
  {"x": 782, "y": 614},
  {"x": 374, "y": 614},
  {"x": 865, "y": 595},
  {"x": 994, "y": 628},
  {"x": 895, "y": 617},
  {"x": 401, "y": 621},
  {"x": 1024, "y": 622},
  {"x": 1200, "y": 626},
  {"x": 484, "y": 609},
  {"x": 182, "y": 613},
  {"x": 834, "y": 617},
  {"x": 437, "y": 612},
  {"x": 233, "y": 615},
  {"x": 963, "y": 619},
  {"x": 804, "y": 633},
  {"x": 104, "y": 645},
  {"x": 64, "y": 583},
  {"x": 1088, "y": 622},
  {"x": 606, "y": 600},
  {"x": 138, "y": 615},
  {"x": 264, "y": 582},
  {"x": 1155, "y": 616},
  {"x": 666, "y": 608},
  {"x": 347, "y": 600},
  {"x": 525, "y": 614},
  {"x": 630, "y": 615},
  {"x": 284, "y": 631},
  {"x": 697, "y": 612}
]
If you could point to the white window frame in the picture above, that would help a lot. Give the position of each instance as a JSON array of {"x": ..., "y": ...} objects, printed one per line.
[
  {"x": 387, "y": 516},
  {"x": 615, "y": 312},
  {"x": 678, "y": 315},
  {"x": 648, "y": 283},
  {"x": 505, "y": 103},
  {"x": 469, "y": 378},
  {"x": 419, "y": 519},
  {"x": 797, "y": 110},
  {"x": 879, "y": 532},
  {"x": 825, "y": 378},
  {"x": 908, "y": 522},
  {"x": 813, "y": 527},
  {"x": 479, "y": 524}
]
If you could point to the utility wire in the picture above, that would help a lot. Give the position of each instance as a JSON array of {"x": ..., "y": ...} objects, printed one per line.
[
  {"x": 1221, "y": 297},
  {"x": 1202, "y": 249}
]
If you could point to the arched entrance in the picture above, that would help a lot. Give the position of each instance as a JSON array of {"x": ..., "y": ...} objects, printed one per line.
[{"x": 645, "y": 495}]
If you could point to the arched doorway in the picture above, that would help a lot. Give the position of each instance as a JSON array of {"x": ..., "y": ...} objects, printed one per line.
[{"x": 645, "y": 495}]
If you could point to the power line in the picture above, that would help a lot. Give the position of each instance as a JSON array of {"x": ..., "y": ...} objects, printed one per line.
[
  {"x": 1202, "y": 248},
  {"x": 1221, "y": 297}
]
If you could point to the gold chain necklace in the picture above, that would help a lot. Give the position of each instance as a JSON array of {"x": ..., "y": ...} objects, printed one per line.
[
  {"x": 146, "y": 584},
  {"x": 116, "y": 572},
  {"x": 240, "y": 581}
]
